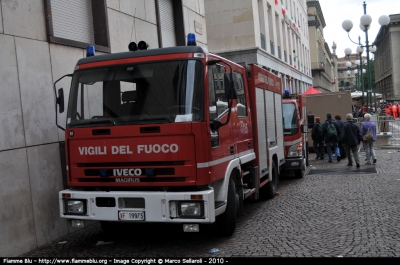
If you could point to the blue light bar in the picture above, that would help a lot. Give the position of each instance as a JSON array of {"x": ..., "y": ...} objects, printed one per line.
[
  {"x": 191, "y": 39},
  {"x": 286, "y": 94},
  {"x": 90, "y": 51}
]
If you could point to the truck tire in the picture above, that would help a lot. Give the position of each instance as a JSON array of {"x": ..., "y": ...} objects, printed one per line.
[
  {"x": 270, "y": 189},
  {"x": 226, "y": 222},
  {"x": 239, "y": 200},
  {"x": 298, "y": 173}
]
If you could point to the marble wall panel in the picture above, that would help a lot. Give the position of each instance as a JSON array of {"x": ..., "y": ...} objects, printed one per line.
[
  {"x": 147, "y": 32},
  {"x": 46, "y": 181},
  {"x": 114, "y": 4},
  {"x": 134, "y": 8},
  {"x": 11, "y": 123},
  {"x": 122, "y": 32},
  {"x": 17, "y": 227},
  {"x": 1, "y": 21},
  {"x": 37, "y": 96},
  {"x": 24, "y": 19}
]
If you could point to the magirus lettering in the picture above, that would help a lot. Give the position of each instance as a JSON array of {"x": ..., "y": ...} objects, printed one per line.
[{"x": 127, "y": 180}]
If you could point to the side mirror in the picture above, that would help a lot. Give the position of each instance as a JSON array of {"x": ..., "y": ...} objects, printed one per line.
[
  {"x": 60, "y": 100},
  {"x": 215, "y": 124},
  {"x": 310, "y": 121},
  {"x": 230, "y": 92}
]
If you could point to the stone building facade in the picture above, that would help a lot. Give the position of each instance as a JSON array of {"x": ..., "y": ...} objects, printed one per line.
[
  {"x": 271, "y": 33},
  {"x": 323, "y": 66},
  {"x": 387, "y": 64}
]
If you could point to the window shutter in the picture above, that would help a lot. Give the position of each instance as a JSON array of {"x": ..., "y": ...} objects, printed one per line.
[
  {"x": 167, "y": 24},
  {"x": 73, "y": 20}
]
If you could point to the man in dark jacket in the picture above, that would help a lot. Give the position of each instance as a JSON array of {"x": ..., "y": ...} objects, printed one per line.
[
  {"x": 331, "y": 141},
  {"x": 340, "y": 146},
  {"x": 351, "y": 138},
  {"x": 316, "y": 136}
]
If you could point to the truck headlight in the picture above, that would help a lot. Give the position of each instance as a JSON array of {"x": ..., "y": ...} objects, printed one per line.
[
  {"x": 191, "y": 209},
  {"x": 75, "y": 207},
  {"x": 295, "y": 150}
]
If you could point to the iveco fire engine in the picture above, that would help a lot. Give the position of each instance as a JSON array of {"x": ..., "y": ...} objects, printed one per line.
[{"x": 171, "y": 135}]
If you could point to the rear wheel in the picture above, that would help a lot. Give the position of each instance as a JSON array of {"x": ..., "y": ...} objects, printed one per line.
[
  {"x": 227, "y": 221},
  {"x": 270, "y": 188}
]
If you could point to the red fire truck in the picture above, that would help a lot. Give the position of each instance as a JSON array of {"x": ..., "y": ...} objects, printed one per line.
[
  {"x": 296, "y": 142},
  {"x": 171, "y": 135}
]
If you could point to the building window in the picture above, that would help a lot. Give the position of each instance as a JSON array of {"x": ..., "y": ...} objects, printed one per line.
[
  {"x": 271, "y": 44},
  {"x": 171, "y": 30},
  {"x": 78, "y": 23},
  {"x": 290, "y": 59},
  {"x": 262, "y": 37},
  {"x": 279, "y": 52},
  {"x": 285, "y": 56}
]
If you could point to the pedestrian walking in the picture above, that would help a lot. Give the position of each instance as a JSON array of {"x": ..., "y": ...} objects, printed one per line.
[
  {"x": 330, "y": 131},
  {"x": 368, "y": 126},
  {"x": 351, "y": 138},
  {"x": 387, "y": 110},
  {"x": 340, "y": 146},
  {"x": 394, "y": 111},
  {"x": 316, "y": 136}
]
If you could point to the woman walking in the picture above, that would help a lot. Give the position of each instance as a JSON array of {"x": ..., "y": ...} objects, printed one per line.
[{"x": 368, "y": 125}]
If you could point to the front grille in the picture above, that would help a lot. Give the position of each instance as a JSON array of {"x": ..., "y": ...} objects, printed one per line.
[
  {"x": 110, "y": 172},
  {"x": 132, "y": 203},
  {"x": 105, "y": 202}
]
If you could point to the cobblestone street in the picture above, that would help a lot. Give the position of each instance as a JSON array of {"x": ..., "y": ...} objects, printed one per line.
[{"x": 341, "y": 212}]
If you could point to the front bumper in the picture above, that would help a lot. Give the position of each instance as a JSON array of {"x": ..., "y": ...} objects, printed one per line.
[
  {"x": 157, "y": 206},
  {"x": 293, "y": 163}
]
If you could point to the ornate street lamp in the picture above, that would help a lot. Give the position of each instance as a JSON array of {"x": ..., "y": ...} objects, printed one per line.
[{"x": 365, "y": 24}]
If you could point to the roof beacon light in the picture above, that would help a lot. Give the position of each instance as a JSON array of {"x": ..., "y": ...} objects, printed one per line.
[
  {"x": 132, "y": 46},
  {"x": 142, "y": 45},
  {"x": 286, "y": 94},
  {"x": 191, "y": 39},
  {"x": 90, "y": 51}
]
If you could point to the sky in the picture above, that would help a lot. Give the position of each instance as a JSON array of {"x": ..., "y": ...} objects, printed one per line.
[{"x": 337, "y": 11}]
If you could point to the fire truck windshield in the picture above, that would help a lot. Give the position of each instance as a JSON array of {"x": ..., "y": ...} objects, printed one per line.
[
  {"x": 159, "y": 92},
  {"x": 290, "y": 119}
]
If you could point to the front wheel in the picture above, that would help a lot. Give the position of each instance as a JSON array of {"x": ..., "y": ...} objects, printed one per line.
[
  {"x": 227, "y": 221},
  {"x": 270, "y": 188}
]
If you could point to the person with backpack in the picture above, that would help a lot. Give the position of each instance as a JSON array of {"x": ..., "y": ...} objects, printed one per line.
[
  {"x": 366, "y": 125},
  {"x": 340, "y": 146},
  {"x": 331, "y": 132},
  {"x": 316, "y": 135},
  {"x": 351, "y": 138}
]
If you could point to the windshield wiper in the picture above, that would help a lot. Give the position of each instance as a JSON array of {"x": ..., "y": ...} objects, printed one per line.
[
  {"x": 156, "y": 119},
  {"x": 96, "y": 121}
]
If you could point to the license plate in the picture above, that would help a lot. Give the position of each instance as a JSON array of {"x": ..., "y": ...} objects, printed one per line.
[{"x": 131, "y": 216}]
